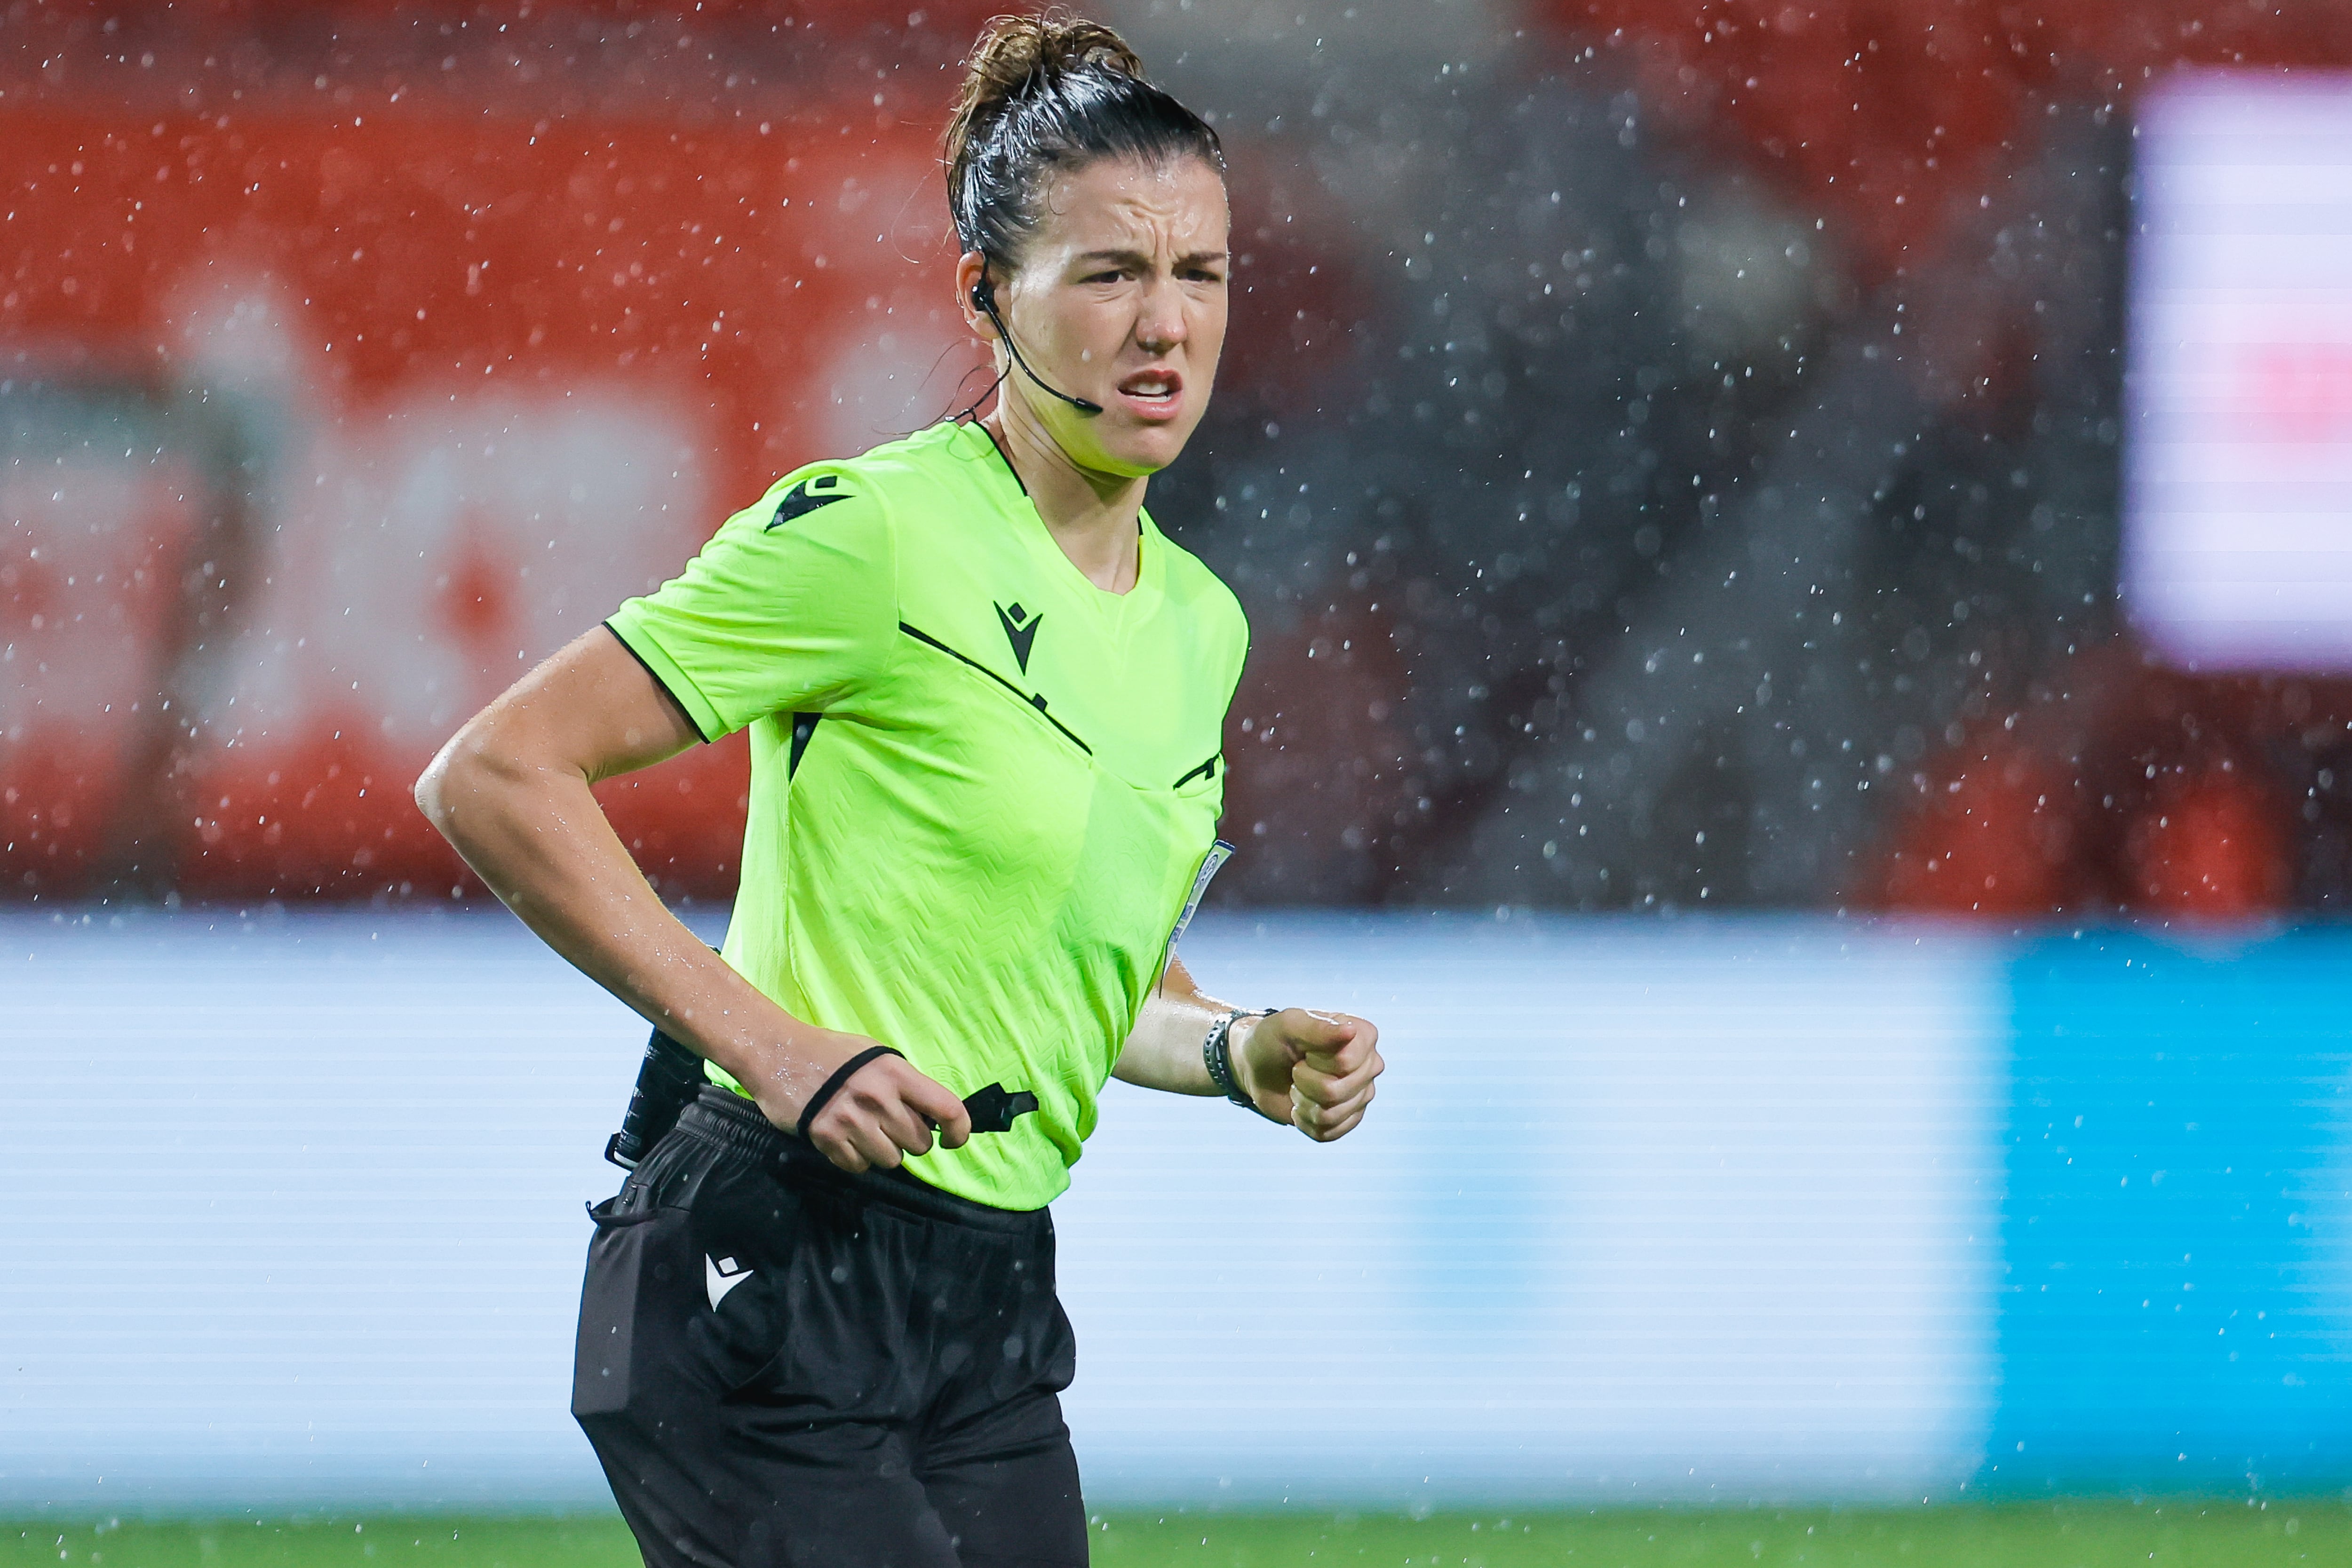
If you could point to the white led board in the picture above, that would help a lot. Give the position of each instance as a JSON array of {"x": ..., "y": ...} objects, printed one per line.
[{"x": 2237, "y": 385}]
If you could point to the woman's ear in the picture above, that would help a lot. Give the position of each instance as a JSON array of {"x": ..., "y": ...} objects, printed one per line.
[{"x": 976, "y": 294}]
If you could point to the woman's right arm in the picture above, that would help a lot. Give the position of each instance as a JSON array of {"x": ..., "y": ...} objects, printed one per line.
[{"x": 512, "y": 793}]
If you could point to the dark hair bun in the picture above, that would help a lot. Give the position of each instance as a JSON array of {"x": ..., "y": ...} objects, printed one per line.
[
  {"x": 1013, "y": 51},
  {"x": 1045, "y": 92}
]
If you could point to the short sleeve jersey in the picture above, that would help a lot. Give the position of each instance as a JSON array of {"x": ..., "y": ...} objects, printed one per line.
[{"x": 981, "y": 787}]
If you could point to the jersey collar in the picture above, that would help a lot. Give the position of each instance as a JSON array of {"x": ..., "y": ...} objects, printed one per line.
[{"x": 1149, "y": 545}]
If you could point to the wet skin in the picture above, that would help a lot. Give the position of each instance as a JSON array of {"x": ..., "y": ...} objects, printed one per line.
[{"x": 1118, "y": 297}]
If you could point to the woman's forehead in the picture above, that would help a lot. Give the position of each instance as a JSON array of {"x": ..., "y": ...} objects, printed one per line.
[{"x": 1136, "y": 203}]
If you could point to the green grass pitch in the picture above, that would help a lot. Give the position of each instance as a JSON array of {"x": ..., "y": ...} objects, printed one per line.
[{"x": 2167, "y": 1533}]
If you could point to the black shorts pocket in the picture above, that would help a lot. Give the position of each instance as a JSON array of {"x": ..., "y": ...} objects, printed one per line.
[
  {"x": 747, "y": 1249},
  {"x": 641, "y": 1287}
]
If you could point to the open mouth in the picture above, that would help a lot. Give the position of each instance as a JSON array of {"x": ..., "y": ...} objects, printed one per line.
[{"x": 1158, "y": 388}]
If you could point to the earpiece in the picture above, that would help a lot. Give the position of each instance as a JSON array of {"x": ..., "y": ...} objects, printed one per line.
[{"x": 983, "y": 299}]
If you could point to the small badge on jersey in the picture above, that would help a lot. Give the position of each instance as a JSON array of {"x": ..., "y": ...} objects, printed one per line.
[{"x": 1219, "y": 853}]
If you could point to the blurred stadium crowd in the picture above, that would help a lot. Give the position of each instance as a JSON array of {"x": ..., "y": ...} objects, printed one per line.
[{"x": 1670, "y": 449}]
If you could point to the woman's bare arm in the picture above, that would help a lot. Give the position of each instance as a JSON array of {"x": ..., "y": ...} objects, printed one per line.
[
  {"x": 1312, "y": 1069},
  {"x": 511, "y": 792}
]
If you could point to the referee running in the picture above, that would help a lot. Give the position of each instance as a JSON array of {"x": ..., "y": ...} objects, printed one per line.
[{"x": 986, "y": 698}]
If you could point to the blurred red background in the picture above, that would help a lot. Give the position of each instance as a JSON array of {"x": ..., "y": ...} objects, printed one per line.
[
  {"x": 2116, "y": 786},
  {"x": 387, "y": 346},
  {"x": 408, "y": 393}
]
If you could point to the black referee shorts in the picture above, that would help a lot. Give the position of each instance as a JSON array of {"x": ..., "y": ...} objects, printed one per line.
[{"x": 781, "y": 1363}]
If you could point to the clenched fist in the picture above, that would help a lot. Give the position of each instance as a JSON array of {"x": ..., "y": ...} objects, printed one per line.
[{"x": 1312, "y": 1069}]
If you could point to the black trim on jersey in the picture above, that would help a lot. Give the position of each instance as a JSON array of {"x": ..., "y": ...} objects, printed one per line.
[
  {"x": 1207, "y": 769},
  {"x": 1001, "y": 452},
  {"x": 683, "y": 711},
  {"x": 1030, "y": 698},
  {"x": 804, "y": 726}
]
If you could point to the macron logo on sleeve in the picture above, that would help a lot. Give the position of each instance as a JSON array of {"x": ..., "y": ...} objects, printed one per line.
[{"x": 806, "y": 497}]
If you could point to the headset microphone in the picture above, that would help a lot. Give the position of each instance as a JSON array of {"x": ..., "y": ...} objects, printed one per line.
[{"x": 984, "y": 298}]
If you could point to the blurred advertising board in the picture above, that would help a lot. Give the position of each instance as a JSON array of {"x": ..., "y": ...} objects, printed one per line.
[
  {"x": 317, "y": 429},
  {"x": 2238, "y": 527},
  {"x": 1694, "y": 1210}
]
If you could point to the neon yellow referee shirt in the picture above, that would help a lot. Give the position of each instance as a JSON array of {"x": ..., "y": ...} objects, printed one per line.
[{"x": 982, "y": 786}]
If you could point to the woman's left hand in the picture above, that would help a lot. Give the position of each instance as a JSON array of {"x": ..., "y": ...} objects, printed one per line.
[{"x": 1312, "y": 1069}]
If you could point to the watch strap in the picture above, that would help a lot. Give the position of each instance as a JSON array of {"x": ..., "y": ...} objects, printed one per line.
[{"x": 1217, "y": 1055}]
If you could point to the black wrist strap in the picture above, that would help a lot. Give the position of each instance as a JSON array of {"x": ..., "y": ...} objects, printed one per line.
[
  {"x": 1217, "y": 1055},
  {"x": 832, "y": 1086}
]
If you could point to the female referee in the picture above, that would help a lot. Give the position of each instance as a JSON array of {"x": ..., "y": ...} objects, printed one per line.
[{"x": 986, "y": 696}]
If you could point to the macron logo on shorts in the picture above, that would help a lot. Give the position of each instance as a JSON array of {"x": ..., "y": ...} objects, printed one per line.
[{"x": 720, "y": 1274}]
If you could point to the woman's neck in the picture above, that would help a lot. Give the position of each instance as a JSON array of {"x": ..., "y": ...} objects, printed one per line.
[{"x": 1091, "y": 516}]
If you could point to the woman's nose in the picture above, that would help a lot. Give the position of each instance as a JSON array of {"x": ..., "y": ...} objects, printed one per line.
[{"x": 1160, "y": 322}]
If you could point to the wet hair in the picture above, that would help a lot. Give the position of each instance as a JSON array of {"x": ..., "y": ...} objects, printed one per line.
[{"x": 1044, "y": 95}]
